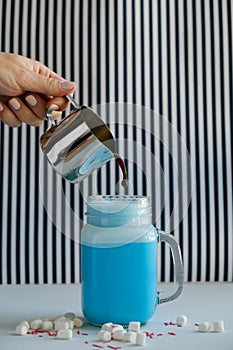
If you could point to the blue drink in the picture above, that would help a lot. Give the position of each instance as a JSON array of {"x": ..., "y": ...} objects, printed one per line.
[
  {"x": 119, "y": 283},
  {"x": 118, "y": 259}
]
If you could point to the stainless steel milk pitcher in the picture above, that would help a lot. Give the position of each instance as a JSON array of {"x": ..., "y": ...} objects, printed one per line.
[{"x": 78, "y": 144}]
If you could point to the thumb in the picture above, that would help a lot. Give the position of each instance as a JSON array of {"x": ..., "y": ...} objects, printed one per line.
[{"x": 48, "y": 86}]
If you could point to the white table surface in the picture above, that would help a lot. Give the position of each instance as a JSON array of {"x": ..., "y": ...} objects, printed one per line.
[{"x": 199, "y": 302}]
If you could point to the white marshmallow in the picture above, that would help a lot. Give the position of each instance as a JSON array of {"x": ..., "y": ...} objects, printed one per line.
[
  {"x": 134, "y": 326},
  {"x": 104, "y": 335},
  {"x": 21, "y": 330},
  {"x": 61, "y": 325},
  {"x": 60, "y": 319},
  {"x": 107, "y": 327},
  {"x": 129, "y": 336},
  {"x": 78, "y": 322},
  {"x": 204, "y": 327},
  {"x": 71, "y": 324},
  {"x": 47, "y": 325},
  {"x": 116, "y": 327},
  {"x": 24, "y": 323},
  {"x": 141, "y": 339},
  {"x": 181, "y": 320},
  {"x": 118, "y": 334},
  {"x": 65, "y": 334},
  {"x": 36, "y": 324},
  {"x": 69, "y": 315},
  {"x": 218, "y": 326}
]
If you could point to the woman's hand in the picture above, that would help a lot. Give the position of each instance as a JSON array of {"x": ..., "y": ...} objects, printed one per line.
[{"x": 28, "y": 89}]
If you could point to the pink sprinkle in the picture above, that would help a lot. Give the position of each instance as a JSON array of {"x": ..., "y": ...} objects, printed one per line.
[
  {"x": 150, "y": 335},
  {"x": 179, "y": 325},
  {"x": 166, "y": 324},
  {"x": 98, "y": 346},
  {"x": 40, "y": 336},
  {"x": 84, "y": 333},
  {"x": 107, "y": 341},
  {"x": 78, "y": 332},
  {"x": 196, "y": 324},
  {"x": 52, "y": 334},
  {"x": 86, "y": 342},
  {"x": 114, "y": 347},
  {"x": 171, "y": 323},
  {"x": 159, "y": 335},
  {"x": 171, "y": 333}
]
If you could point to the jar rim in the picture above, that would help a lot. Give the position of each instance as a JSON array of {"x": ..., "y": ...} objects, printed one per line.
[{"x": 136, "y": 198}]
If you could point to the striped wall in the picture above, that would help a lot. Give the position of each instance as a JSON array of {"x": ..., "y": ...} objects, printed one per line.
[{"x": 160, "y": 74}]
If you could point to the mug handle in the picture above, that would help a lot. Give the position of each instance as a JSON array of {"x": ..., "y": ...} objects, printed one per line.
[
  {"x": 50, "y": 111},
  {"x": 165, "y": 296}
]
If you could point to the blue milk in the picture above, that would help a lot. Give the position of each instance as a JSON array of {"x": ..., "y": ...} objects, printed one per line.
[{"x": 118, "y": 258}]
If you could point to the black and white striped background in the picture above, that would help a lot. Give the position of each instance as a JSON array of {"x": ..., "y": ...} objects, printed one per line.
[{"x": 160, "y": 74}]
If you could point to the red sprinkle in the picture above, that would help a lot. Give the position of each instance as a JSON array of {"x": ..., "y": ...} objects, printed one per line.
[
  {"x": 78, "y": 332},
  {"x": 171, "y": 323},
  {"x": 52, "y": 334},
  {"x": 114, "y": 347},
  {"x": 40, "y": 336},
  {"x": 107, "y": 341},
  {"x": 196, "y": 324},
  {"x": 98, "y": 346},
  {"x": 171, "y": 333},
  {"x": 179, "y": 325},
  {"x": 159, "y": 334},
  {"x": 166, "y": 324},
  {"x": 150, "y": 335},
  {"x": 84, "y": 333},
  {"x": 86, "y": 342}
]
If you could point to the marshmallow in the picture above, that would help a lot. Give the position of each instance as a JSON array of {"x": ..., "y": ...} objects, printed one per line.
[
  {"x": 129, "y": 336},
  {"x": 71, "y": 324},
  {"x": 36, "y": 324},
  {"x": 69, "y": 315},
  {"x": 107, "y": 327},
  {"x": 134, "y": 326},
  {"x": 218, "y": 326},
  {"x": 24, "y": 323},
  {"x": 47, "y": 325},
  {"x": 65, "y": 334},
  {"x": 181, "y": 320},
  {"x": 78, "y": 322},
  {"x": 61, "y": 325},
  {"x": 60, "y": 319},
  {"x": 104, "y": 335},
  {"x": 21, "y": 330},
  {"x": 118, "y": 334},
  {"x": 204, "y": 327},
  {"x": 141, "y": 339}
]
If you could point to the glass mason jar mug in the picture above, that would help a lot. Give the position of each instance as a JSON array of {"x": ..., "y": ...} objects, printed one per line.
[{"x": 118, "y": 260}]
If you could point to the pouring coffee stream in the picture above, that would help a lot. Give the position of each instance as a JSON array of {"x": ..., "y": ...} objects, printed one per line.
[{"x": 79, "y": 144}]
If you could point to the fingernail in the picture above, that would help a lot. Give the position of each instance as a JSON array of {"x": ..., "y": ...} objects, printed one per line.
[
  {"x": 14, "y": 104},
  {"x": 54, "y": 107},
  {"x": 31, "y": 100},
  {"x": 1, "y": 107},
  {"x": 67, "y": 85}
]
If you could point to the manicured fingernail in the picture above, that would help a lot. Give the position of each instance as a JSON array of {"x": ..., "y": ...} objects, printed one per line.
[
  {"x": 14, "y": 104},
  {"x": 31, "y": 100},
  {"x": 67, "y": 85},
  {"x": 54, "y": 107},
  {"x": 1, "y": 107}
]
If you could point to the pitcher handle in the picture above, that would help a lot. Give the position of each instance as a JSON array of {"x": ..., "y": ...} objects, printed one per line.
[
  {"x": 165, "y": 296},
  {"x": 50, "y": 111}
]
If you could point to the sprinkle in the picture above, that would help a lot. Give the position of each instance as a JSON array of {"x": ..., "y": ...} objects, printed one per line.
[
  {"x": 150, "y": 335},
  {"x": 114, "y": 347},
  {"x": 98, "y": 346},
  {"x": 159, "y": 334},
  {"x": 171, "y": 333},
  {"x": 78, "y": 332},
  {"x": 107, "y": 341},
  {"x": 84, "y": 333},
  {"x": 52, "y": 334},
  {"x": 179, "y": 325},
  {"x": 196, "y": 324},
  {"x": 171, "y": 323},
  {"x": 40, "y": 336},
  {"x": 166, "y": 324},
  {"x": 86, "y": 342}
]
